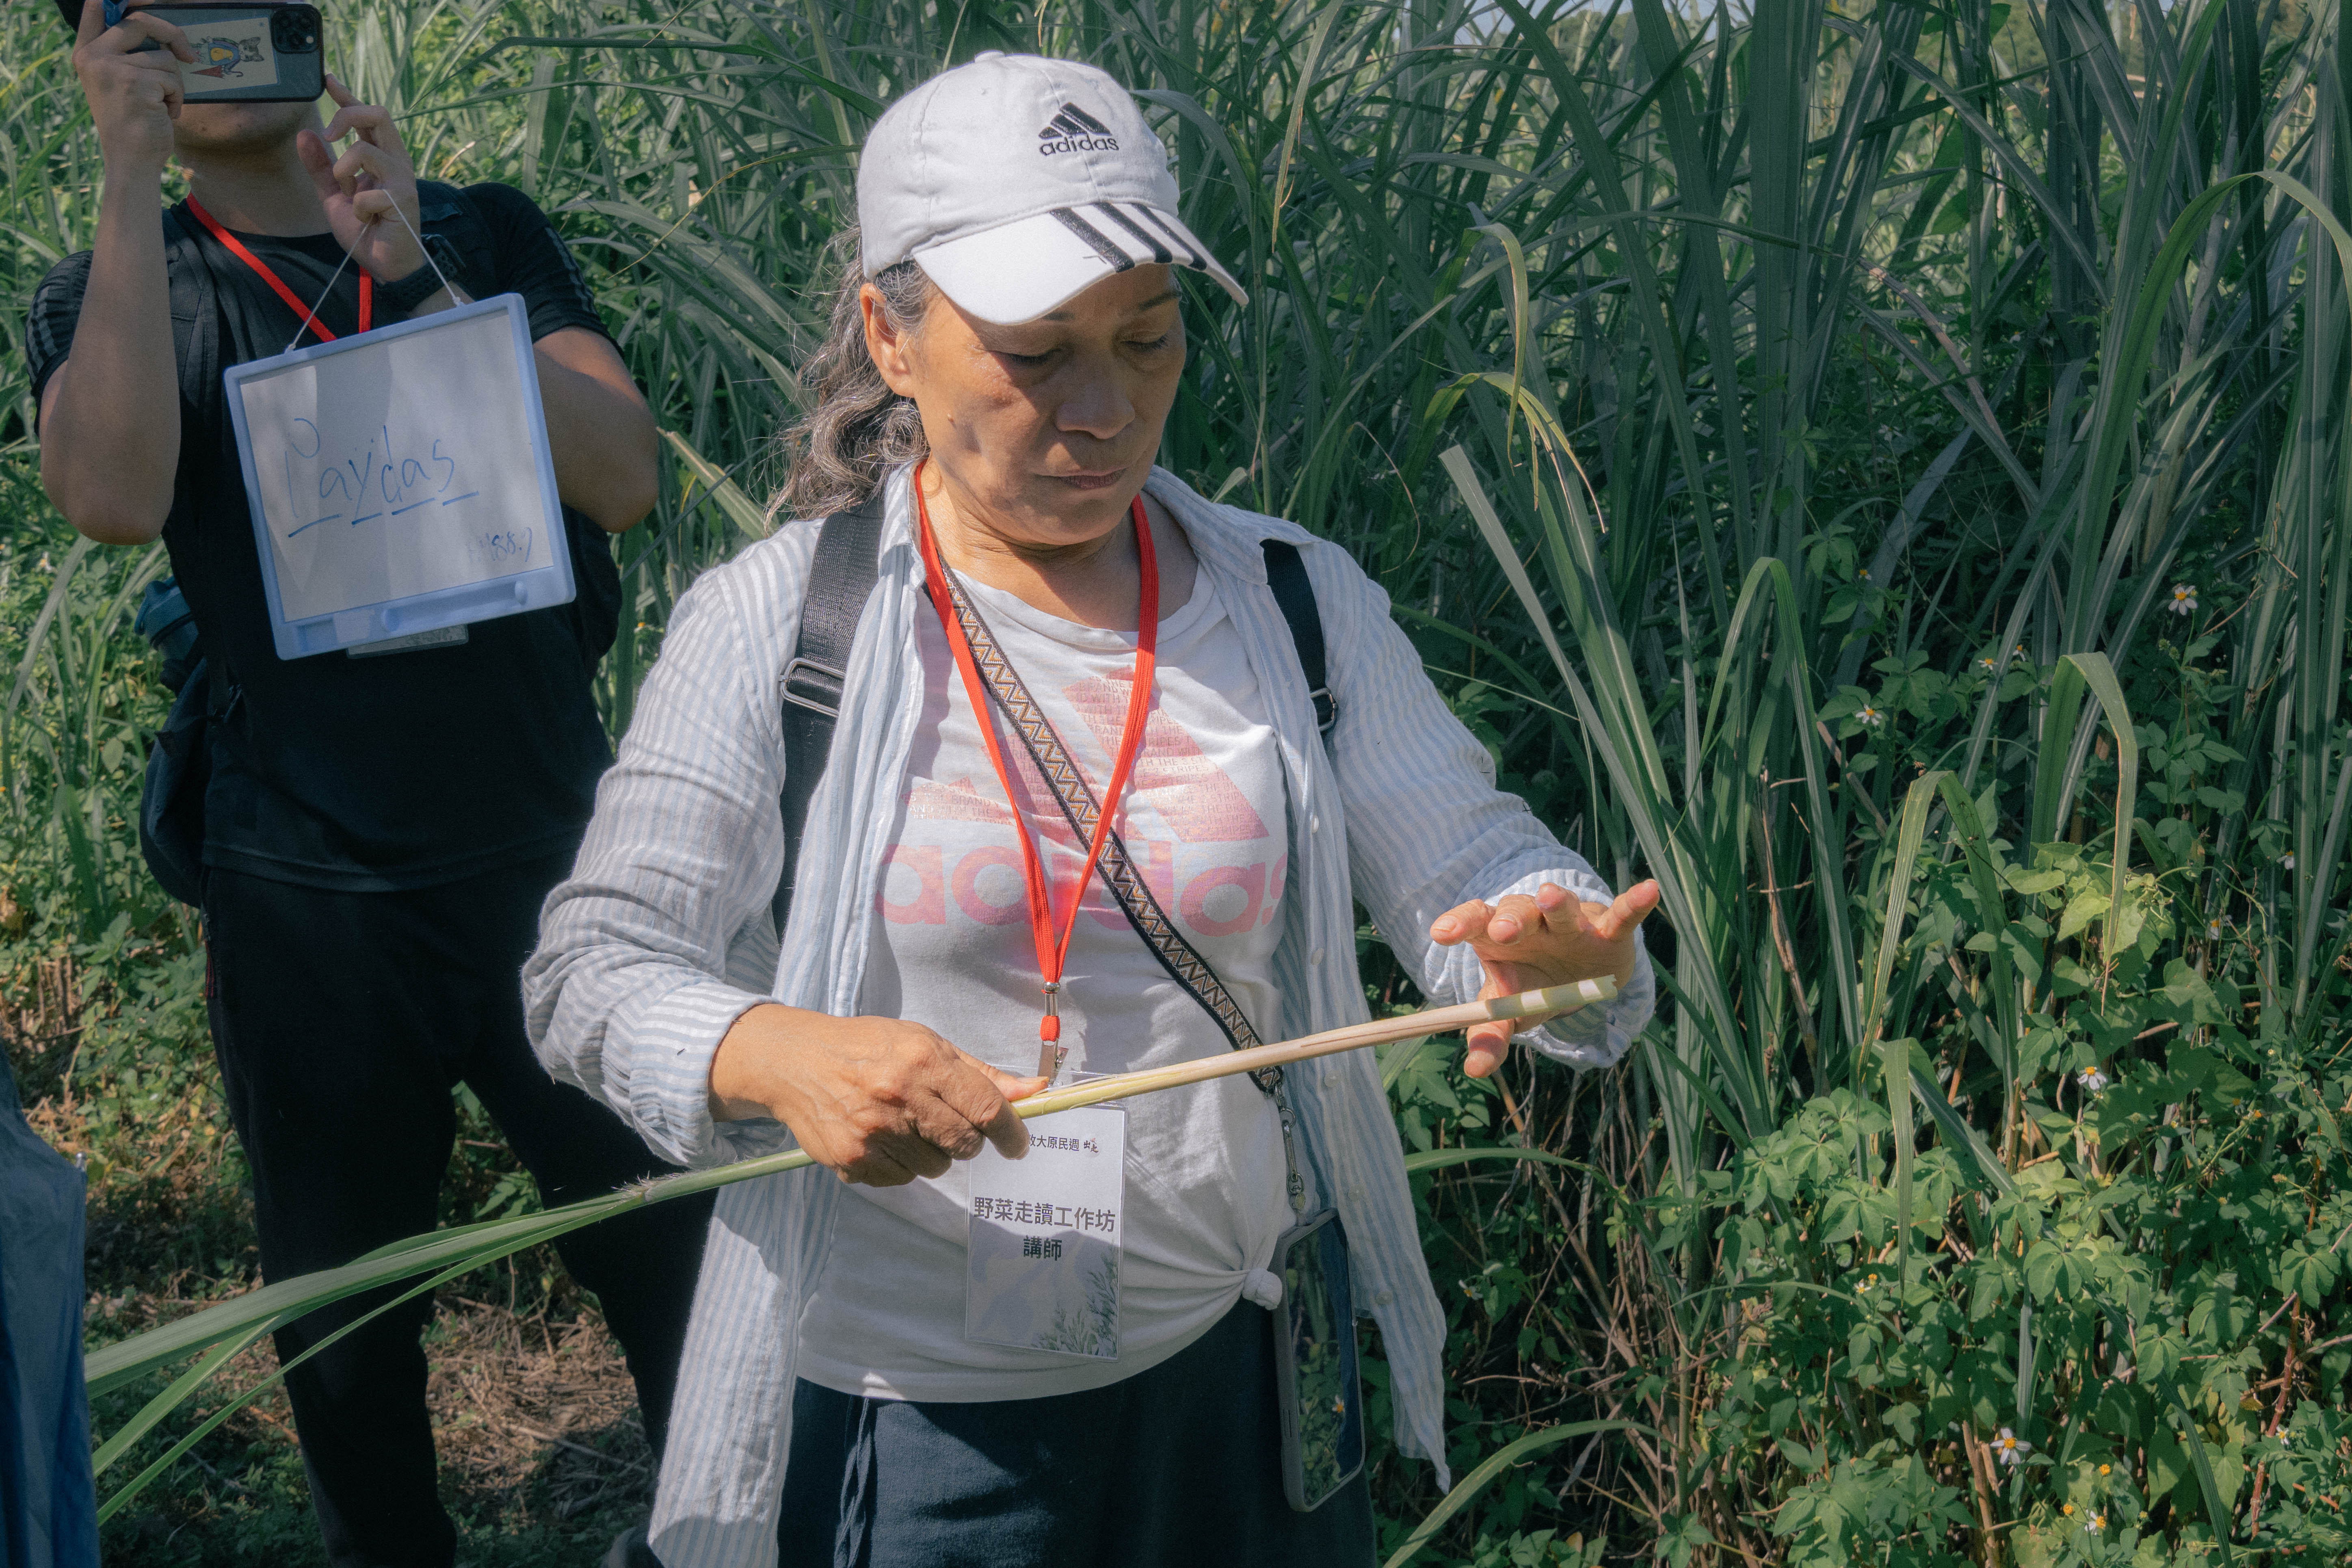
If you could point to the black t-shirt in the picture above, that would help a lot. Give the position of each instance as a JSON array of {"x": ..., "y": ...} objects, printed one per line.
[{"x": 401, "y": 769}]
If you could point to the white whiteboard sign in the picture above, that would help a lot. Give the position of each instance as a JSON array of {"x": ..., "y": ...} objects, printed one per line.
[{"x": 401, "y": 479}]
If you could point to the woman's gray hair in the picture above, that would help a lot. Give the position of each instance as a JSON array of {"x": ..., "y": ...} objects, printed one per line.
[{"x": 857, "y": 429}]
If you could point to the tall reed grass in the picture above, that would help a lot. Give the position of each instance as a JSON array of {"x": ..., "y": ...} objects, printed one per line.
[{"x": 1878, "y": 468}]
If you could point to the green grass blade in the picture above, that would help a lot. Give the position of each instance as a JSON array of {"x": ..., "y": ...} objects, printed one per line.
[
  {"x": 1909, "y": 834},
  {"x": 738, "y": 508},
  {"x": 1895, "y": 1056},
  {"x": 35, "y": 639},
  {"x": 2100, "y": 677},
  {"x": 2217, "y": 1513},
  {"x": 1494, "y": 1464},
  {"x": 471, "y": 1246},
  {"x": 172, "y": 1398},
  {"x": 1980, "y": 1163},
  {"x": 1439, "y": 1159}
]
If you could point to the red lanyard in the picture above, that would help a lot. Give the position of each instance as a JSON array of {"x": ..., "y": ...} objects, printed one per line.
[
  {"x": 309, "y": 314},
  {"x": 1051, "y": 951}
]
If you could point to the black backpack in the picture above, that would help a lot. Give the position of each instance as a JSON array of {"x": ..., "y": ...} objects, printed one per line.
[
  {"x": 179, "y": 764},
  {"x": 841, "y": 578}
]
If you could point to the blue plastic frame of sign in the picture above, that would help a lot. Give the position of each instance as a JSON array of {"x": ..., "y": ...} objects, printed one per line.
[{"x": 356, "y": 625}]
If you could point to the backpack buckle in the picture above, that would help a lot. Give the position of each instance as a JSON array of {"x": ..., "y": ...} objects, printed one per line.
[
  {"x": 813, "y": 686},
  {"x": 1327, "y": 709}
]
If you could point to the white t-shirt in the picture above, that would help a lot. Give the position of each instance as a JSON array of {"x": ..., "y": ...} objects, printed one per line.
[{"x": 1204, "y": 818}]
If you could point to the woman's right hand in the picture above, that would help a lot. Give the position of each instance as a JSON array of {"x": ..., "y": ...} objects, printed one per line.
[
  {"x": 134, "y": 95},
  {"x": 876, "y": 1100}
]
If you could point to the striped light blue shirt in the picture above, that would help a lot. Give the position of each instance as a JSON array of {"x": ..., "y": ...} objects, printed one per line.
[{"x": 661, "y": 938}]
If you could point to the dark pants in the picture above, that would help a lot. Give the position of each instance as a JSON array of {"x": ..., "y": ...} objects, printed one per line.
[
  {"x": 341, "y": 1022},
  {"x": 1176, "y": 1466}
]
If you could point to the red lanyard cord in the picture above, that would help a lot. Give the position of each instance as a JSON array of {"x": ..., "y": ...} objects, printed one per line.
[
  {"x": 309, "y": 313},
  {"x": 1052, "y": 952}
]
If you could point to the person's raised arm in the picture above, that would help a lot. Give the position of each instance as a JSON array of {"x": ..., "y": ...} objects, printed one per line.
[{"x": 111, "y": 413}]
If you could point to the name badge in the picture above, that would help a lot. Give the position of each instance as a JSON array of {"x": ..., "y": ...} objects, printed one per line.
[
  {"x": 443, "y": 636},
  {"x": 1045, "y": 1239}
]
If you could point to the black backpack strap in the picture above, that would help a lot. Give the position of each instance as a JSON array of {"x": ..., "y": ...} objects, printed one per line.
[
  {"x": 841, "y": 578},
  {"x": 1286, "y": 573},
  {"x": 195, "y": 334}
]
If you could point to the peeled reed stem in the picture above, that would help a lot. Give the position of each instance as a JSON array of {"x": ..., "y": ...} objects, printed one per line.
[{"x": 1330, "y": 1042}]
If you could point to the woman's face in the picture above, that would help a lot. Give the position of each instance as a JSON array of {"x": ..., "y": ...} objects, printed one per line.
[{"x": 1044, "y": 432}]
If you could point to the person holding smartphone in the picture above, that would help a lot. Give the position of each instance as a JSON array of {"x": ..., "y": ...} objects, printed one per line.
[{"x": 378, "y": 831}]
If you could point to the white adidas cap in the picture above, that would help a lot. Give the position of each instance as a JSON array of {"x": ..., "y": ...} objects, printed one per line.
[{"x": 1018, "y": 182}]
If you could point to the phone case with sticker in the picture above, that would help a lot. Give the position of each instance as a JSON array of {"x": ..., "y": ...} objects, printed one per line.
[{"x": 248, "y": 53}]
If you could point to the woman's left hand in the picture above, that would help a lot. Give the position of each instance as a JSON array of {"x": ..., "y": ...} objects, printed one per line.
[{"x": 1551, "y": 939}]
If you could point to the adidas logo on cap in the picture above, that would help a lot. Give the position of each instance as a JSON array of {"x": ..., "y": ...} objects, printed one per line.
[{"x": 1075, "y": 131}]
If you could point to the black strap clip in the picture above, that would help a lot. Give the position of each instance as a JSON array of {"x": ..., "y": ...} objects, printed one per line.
[{"x": 814, "y": 685}]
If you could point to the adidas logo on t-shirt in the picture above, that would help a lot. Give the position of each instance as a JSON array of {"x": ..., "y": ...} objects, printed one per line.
[{"x": 1076, "y": 131}]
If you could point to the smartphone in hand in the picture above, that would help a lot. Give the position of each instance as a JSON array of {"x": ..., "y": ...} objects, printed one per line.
[{"x": 248, "y": 53}]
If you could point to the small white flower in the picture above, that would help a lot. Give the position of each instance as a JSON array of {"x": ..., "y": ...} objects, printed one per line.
[
  {"x": 2213, "y": 930},
  {"x": 2287, "y": 862},
  {"x": 2010, "y": 1448},
  {"x": 1871, "y": 717},
  {"x": 2184, "y": 598},
  {"x": 2091, "y": 1079},
  {"x": 2095, "y": 1523},
  {"x": 1988, "y": 665}
]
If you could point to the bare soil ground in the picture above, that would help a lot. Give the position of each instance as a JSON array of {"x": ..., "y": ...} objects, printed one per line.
[
  {"x": 541, "y": 1448},
  {"x": 534, "y": 1417}
]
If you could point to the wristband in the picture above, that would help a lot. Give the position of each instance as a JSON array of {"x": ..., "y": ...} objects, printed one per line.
[
  {"x": 404, "y": 295},
  {"x": 399, "y": 297}
]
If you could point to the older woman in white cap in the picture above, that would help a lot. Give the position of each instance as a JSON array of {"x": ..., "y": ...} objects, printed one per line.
[{"x": 1112, "y": 767}]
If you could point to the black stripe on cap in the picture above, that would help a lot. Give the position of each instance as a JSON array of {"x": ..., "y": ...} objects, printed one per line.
[
  {"x": 1150, "y": 242},
  {"x": 1192, "y": 257},
  {"x": 1096, "y": 240},
  {"x": 1073, "y": 112}
]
